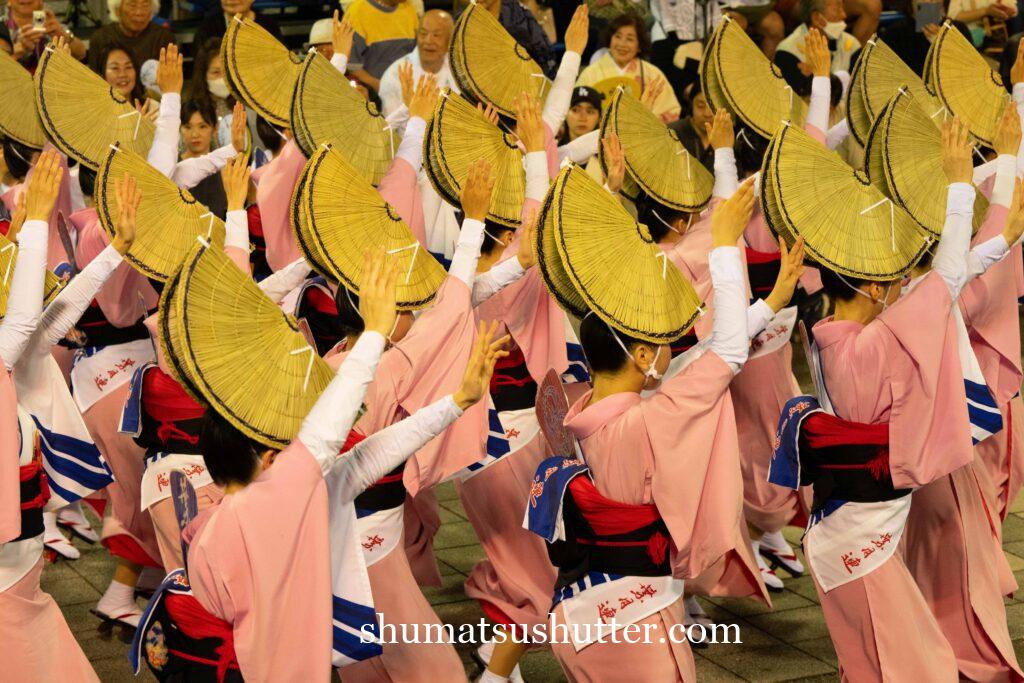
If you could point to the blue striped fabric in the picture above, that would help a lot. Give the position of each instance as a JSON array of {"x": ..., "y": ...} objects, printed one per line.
[
  {"x": 577, "y": 370},
  {"x": 74, "y": 468},
  {"x": 497, "y": 444},
  {"x": 982, "y": 411},
  {"x": 351, "y": 621},
  {"x": 588, "y": 580}
]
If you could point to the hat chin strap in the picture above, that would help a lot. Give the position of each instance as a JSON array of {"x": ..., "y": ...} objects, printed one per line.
[
  {"x": 649, "y": 373},
  {"x": 858, "y": 290},
  {"x": 689, "y": 222}
]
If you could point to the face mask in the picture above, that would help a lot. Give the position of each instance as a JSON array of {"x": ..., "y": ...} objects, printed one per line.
[
  {"x": 218, "y": 88},
  {"x": 835, "y": 29},
  {"x": 652, "y": 372}
]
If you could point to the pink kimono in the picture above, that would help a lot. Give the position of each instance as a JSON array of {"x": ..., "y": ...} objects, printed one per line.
[
  {"x": 260, "y": 560},
  {"x": 880, "y": 623},
  {"x": 634, "y": 448},
  {"x": 35, "y": 641}
]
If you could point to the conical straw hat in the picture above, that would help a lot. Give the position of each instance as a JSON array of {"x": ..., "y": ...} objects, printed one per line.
[
  {"x": 966, "y": 84},
  {"x": 608, "y": 86},
  {"x": 911, "y": 153},
  {"x": 709, "y": 84},
  {"x": 246, "y": 357},
  {"x": 847, "y": 224},
  {"x": 490, "y": 65},
  {"x": 433, "y": 169},
  {"x": 753, "y": 86},
  {"x": 82, "y": 114},
  {"x": 461, "y": 135},
  {"x": 874, "y": 151},
  {"x": 630, "y": 189},
  {"x": 884, "y": 73},
  {"x": 857, "y": 116},
  {"x": 170, "y": 329},
  {"x": 260, "y": 69},
  {"x": 611, "y": 260},
  {"x": 326, "y": 109},
  {"x": 655, "y": 158},
  {"x": 550, "y": 262},
  {"x": 18, "y": 119},
  {"x": 299, "y": 216},
  {"x": 769, "y": 203},
  {"x": 8, "y": 259},
  {"x": 343, "y": 225},
  {"x": 168, "y": 219}
]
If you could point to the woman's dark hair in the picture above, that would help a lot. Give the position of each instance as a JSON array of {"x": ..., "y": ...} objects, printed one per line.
[
  {"x": 269, "y": 134},
  {"x": 655, "y": 215},
  {"x": 138, "y": 92},
  {"x": 835, "y": 91},
  {"x": 349, "y": 320},
  {"x": 749, "y": 149},
  {"x": 18, "y": 158},
  {"x": 839, "y": 287},
  {"x": 489, "y": 243},
  {"x": 230, "y": 456},
  {"x": 199, "y": 90},
  {"x": 629, "y": 18},
  {"x": 205, "y": 110},
  {"x": 87, "y": 181},
  {"x": 604, "y": 355}
]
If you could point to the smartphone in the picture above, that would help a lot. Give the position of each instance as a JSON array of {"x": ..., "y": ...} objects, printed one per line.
[
  {"x": 927, "y": 13},
  {"x": 39, "y": 20}
]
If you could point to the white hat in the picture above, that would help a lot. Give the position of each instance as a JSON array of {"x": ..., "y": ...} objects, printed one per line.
[
  {"x": 321, "y": 31},
  {"x": 147, "y": 75}
]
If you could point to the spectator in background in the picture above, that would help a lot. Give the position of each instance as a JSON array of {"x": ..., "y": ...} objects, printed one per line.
[
  {"x": 385, "y": 30},
  {"x": 209, "y": 85},
  {"x": 973, "y": 13},
  {"x": 692, "y": 129},
  {"x": 676, "y": 23},
  {"x": 829, "y": 17},
  {"x": 320, "y": 37},
  {"x": 518, "y": 21},
  {"x": 867, "y": 14},
  {"x": 627, "y": 43},
  {"x": 545, "y": 18},
  {"x": 215, "y": 23},
  {"x": 23, "y": 41},
  {"x": 430, "y": 56},
  {"x": 132, "y": 28},
  {"x": 583, "y": 116},
  {"x": 911, "y": 44},
  {"x": 120, "y": 70},
  {"x": 198, "y": 124},
  {"x": 759, "y": 18}
]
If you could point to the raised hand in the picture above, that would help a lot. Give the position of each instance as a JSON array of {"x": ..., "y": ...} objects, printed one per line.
[
  {"x": 818, "y": 56},
  {"x": 614, "y": 161},
  {"x": 169, "y": 76},
  {"x": 128, "y": 198},
  {"x": 529, "y": 124},
  {"x": 17, "y": 218},
  {"x": 790, "y": 269},
  {"x": 476, "y": 381},
  {"x": 1017, "y": 70},
  {"x": 147, "y": 109},
  {"x": 377, "y": 292},
  {"x": 424, "y": 98},
  {"x": 488, "y": 112},
  {"x": 405, "y": 79},
  {"x": 1007, "y": 138},
  {"x": 730, "y": 218},
  {"x": 578, "y": 30},
  {"x": 43, "y": 187},
  {"x": 476, "y": 191},
  {"x": 719, "y": 131},
  {"x": 956, "y": 152},
  {"x": 527, "y": 253},
  {"x": 235, "y": 176},
  {"x": 651, "y": 93},
  {"x": 341, "y": 36},
  {"x": 239, "y": 127}
]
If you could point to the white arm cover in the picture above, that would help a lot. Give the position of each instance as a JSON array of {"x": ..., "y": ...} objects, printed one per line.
[
  {"x": 729, "y": 337},
  {"x": 467, "y": 251},
  {"x": 817, "y": 110},
  {"x": 496, "y": 279},
  {"x": 537, "y": 180},
  {"x": 25, "y": 298},
  {"x": 277, "y": 285},
  {"x": 326, "y": 427},
  {"x": 163, "y": 154},
  {"x": 66, "y": 310},
  {"x": 556, "y": 106},
  {"x": 236, "y": 230},
  {"x": 759, "y": 314},
  {"x": 986, "y": 255},
  {"x": 582, "y": 149},
  {"x": 951, "y": 254},
  {"x": 836, "y": 134},
  {"x": 726, "y": 175},
  {"x": 340, "y": 62},
  {"x": 1006, "y": 173},
  {"x": 190, "y": 172},
  {"x": 382, "y": 452},
  {"x": 411, "y": 147}
]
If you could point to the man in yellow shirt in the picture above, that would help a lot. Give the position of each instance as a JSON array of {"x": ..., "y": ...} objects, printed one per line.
[{"x": 385, "y": 30}]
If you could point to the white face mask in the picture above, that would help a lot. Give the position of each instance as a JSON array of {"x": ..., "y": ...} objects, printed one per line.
[
  {"x": 835, "y": 29},
  {"x": 652, "y": 372},
  {"x": 218, "y": 88}
]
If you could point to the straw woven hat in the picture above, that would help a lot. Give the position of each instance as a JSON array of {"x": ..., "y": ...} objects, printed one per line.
[
  {"x": 343, "y": 225},
  {"x": 966, "y": 84},
  {"x": 8, "y": 259},
  {"x": 299, "y": 216},
  {"x": 847, "y": 223},
  {"x": 857, "y": 116},
  {"x": 18, "y": 121},
  {"x": 655, "y": 158},
  {"x": 240, "y": 351},
  {"x": 630, "y": 190},
  {"x": 82, "y": 114},
  {"x": 608, "y": 86},
  {"x": 550, "y": 261},
  {"x": 459, "y": 136},
  {"x": 613, "y": 264},
  {"x": 883, "y": 73},
  {"x": 709, "y": 84},
  {"x": 326, "y": 109},
  {"x": 753, "y": 87},
  {"x": 490, "y": 65},
  {"x": 906, "y": 149},
  {"x": 169, "y": 327},
  {"x": 260, "y": 69},
  {"x": 168, "y": 219}
]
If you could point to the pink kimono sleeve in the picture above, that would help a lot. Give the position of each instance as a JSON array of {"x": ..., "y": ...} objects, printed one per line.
[
  {"x": 400, "y": 188},
  {"x": 274, "y": 196},
  {"x": 10, "y": 488},
  {"x": 929, "y": 431},
  {"x": 126, "y": 295},
  {"x": 697, "y": 483}
]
